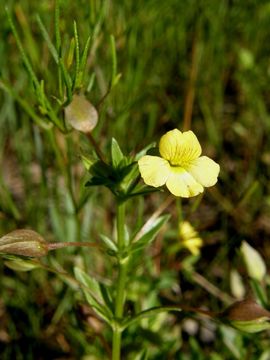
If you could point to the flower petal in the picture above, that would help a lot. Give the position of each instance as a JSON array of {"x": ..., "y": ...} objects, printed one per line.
[
  {"x": 154, "y": 170},
  {"x": 179, "y": 148},
  {"x": 181, "y": 183},
  {"x": 204, "y": 170}
]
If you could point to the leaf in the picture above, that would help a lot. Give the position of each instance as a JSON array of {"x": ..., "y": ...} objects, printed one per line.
[
  {"x": 83, "y": 62},
  {"x": 116, "y": 153},
  {"x": 106, "y": 295},
  {"x": 154, "y": 311},
  {"x": 109, "y": 243},
  {"x": 18, "y": 264},
  {"x": 77, "y": 56},
  {"x": 142, "y": 189},
  {"x": 47, "y": 39},
  {"x": 148, "y": 232},
  {"x": 93, "y": 294}
]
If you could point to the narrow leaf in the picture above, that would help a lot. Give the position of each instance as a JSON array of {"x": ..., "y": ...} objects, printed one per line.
[
  {"x": 25, "y": 59},
  {"x": 57, "y": 27},
  {"x": 83, "y": 61},
  {"x": 109, "y": 243},
  {"x": 47, "y": 39},
  {"x": 114, "y": 60},
  {"x": 116, "y": 153},
  {"x": 93, "y": 294},
  {"x": 148, "y": 232},
  {"x": 18, "y": 264},
  {"x": 77, "y": 56},
  {"x": 70, "y": 55},
  {"x": 89, "y": 282},
  {"x": 149, "y": 313}
]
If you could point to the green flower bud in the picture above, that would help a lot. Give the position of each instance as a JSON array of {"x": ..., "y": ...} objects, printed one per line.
[
  {"x": 246, "y": 315},
  {"x": 23, "y": 242},
  {"x": 81, "y": 114}
]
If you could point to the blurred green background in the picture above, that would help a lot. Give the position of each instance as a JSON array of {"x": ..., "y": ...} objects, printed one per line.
[{"x": 198, "y": 64}]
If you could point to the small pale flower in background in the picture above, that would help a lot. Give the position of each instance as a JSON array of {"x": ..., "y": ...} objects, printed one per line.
[
  {"x": 180, "y": 166},
  {"x": 190, "y": 239}
]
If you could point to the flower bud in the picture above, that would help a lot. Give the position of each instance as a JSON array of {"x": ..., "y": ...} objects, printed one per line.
[
  {"x": 23, "y": 242},
  {"x": 246, "y": 315},
  {"x": 236, "y": 283},
  {"x": 81, "y": 114},
  {"x": 254, "y": 262}
]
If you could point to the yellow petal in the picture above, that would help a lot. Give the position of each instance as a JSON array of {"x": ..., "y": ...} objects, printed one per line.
[
  {"x": 204, "y": 170},
  {"x": 187, "y": 231},
  {"x": 154, "y": 170},
  {"x": 179, "y": 148},
  {"x": 193, "y": 245},
  {"x": 181, "y": 183},
  {"x": 190, "y": 238}
]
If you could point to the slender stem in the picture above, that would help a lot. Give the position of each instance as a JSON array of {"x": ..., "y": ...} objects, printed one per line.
[
  {"x": 116, "y": 346},
  {"x": 160, "y": 309},
  {"x": 60, "y": 245},
  {"x": 120, "y": 218},
  {"x": 96, "y": 147},
  {"x": 190, "y": 95},
  {"x": 121, "y": 282}
]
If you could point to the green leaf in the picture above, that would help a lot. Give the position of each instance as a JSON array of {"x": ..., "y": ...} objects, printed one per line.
[
  {"x": 148, "y": 232},
  {"x": 148, "y": 313},
  {"x": 259, "y": 292},
  {"x": 90, "y": 283},
  {"x": 252, "y": 326},
  {"x": 106, "y": 295},
  {"x": 47, "y": 39},
  {"x": 93, "y": 294},
  {"x": 57, "y": 27},
  {"x": 142, "y": 189},
  {"x": 25, "y": 59},
  {"x": 18, "y": 264},
  {"x": 116, "y": 153},
  {"x": 108, "y": 243},
  {"x": 77, "y": 56},
  {"x": 114, "y": 60},
  {"x": 83, "y": 62},
  {"x": 70, "y": 54}
]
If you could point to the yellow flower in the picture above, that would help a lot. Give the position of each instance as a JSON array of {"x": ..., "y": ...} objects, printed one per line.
[
  {"x": 180, "y": 166},
  {"x": 190, "y": 238}
]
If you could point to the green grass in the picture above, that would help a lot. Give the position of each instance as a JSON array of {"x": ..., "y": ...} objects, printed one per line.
[{"x": 203, "y": 63}]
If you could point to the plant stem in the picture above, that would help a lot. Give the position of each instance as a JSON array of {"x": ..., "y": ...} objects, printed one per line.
[
  {"x": 120, "y": 219},
  {"x": 60, "y": 245},
  {"x": 121, "y": 282}
]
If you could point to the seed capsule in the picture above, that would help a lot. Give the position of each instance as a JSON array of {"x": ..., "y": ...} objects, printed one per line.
[
  {"x": 23, "y": 242},
  {"x": 81, "y": 114}
]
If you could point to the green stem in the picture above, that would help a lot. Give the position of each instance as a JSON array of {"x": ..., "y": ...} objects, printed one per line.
[
  {"x": 120, "y": 218},
  {"x": 121, "y": 282}
]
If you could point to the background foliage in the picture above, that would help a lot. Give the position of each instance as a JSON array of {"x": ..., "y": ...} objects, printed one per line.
[{"x": 169, "y": 54}]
